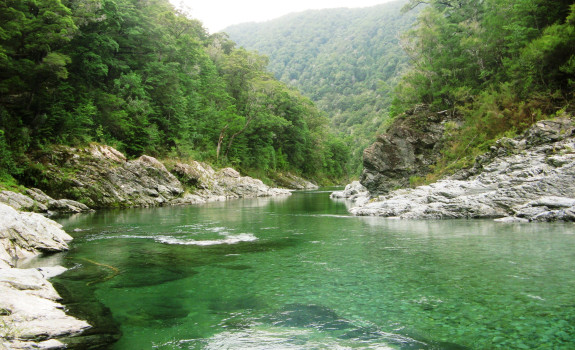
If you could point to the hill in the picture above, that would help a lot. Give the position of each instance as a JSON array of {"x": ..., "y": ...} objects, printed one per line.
[{"x": 348, "y": 61}]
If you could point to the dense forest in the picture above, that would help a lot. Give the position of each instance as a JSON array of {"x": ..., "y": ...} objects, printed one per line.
[
  {"x": 348, "y": 61},
  {"x": 494, "y": 66},
  {"x": 146, "y": 78}
]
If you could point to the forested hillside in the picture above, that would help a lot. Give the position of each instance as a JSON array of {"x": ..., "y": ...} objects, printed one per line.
[
  {"x": 146, "y": 78},
  {"x": 347, "y": 61},
  {"x": 493, "y": 67}
]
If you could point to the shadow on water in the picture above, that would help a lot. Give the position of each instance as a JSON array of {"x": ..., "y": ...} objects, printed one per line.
[
  {"x": 82, "y": 303},
  {"x": 77, "y": 287},
  {"x": 325, "y": 319}
]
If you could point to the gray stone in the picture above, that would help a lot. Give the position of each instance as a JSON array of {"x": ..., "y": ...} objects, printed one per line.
[
  {"x": 354, "y": 192},
  {"x": 32, "y": 316},
  {"x": 504, "y": 183},
  {"x": 224, "y": 184},
  {"x": 24, "y": 235},
  {"x": 407, "y": 149}
]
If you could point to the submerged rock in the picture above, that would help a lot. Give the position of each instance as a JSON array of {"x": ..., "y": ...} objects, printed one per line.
[{"x": 526, "y": 178}]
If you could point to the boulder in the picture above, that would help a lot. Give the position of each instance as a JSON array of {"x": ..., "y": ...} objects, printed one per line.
[{"x": 24, "y": 235}]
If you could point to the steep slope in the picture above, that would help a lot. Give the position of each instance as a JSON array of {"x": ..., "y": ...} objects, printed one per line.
[{"x": 346, "y": 60}]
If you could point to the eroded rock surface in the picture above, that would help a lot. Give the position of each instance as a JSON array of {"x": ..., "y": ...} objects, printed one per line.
[
  {"x": 531, "y": 178},
  {"x": 30, "y": 315}
]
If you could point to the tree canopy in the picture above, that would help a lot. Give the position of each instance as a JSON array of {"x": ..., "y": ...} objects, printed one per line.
[
  {"x": 347, "y": 61},
  {"x": 147, "y": 78}
]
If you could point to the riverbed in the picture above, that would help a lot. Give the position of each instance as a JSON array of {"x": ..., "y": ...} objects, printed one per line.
[{"x": 299, "y": 272}]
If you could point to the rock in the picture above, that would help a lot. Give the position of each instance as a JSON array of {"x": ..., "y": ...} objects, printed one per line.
[
  {"x": 100, "y": 176},
  {"x": 512, "y": 219},
  {"x": 33, "y": 310},
  {"x": 37, "y": 201},
  {"x": 224, "y": 184},
  {"x": 28, "y": 234},
  {"x": 196, "y": 174},
  {"x": 355, "y": 192},
  {"x": 30, "y": 315},
  {"x": 293, "y": 182},
  {"x": 515, "y": 181},
  {"x": 19, "y": 201},
  {"x": 407, "y": 149}
]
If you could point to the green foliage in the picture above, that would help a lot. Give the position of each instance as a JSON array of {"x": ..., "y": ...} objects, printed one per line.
[
  {"x": 146, "y": 78},
  {"x": 499, "y": 65}
]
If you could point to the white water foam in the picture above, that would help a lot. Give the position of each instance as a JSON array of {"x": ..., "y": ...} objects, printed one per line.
[{"x": 231, "y": 239}]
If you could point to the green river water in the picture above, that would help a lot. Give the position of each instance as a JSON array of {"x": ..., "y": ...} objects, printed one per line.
[{"x": 300, "y": 273}]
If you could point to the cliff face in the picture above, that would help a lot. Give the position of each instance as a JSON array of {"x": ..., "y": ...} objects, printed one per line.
[{"x": 408, "y": 148}]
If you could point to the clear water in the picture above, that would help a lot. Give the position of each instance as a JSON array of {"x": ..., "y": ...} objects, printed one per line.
[{"x": 300, "y": 273}]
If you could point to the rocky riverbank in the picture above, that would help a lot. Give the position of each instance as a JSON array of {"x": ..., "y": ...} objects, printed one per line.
[
  {"x": 99, "y": 176},
  {"x": 525, "y": 179},
  {"x": 30, "y": 315}
]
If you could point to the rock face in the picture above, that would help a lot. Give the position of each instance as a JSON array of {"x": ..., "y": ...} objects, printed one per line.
[
  {"x": 221, "y": 185},
  {"x": 30, "y": 316},
  {"x": 531, "y": 178},
  {"x": 408, "y": 148},
  {"x": 100, "y": 176}
]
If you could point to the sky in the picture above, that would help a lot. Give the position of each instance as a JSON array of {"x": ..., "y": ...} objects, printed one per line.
[{"x": 219, "y": 14}]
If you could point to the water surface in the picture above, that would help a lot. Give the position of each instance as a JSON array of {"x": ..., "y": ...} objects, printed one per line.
[{"x": 300, "y": 273}]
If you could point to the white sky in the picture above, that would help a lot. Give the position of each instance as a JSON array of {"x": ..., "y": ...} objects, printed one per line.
[{"x": 219, "y": 14}]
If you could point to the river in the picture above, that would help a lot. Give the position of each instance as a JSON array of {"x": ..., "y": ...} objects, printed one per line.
[{"x": 299, "y": 272}]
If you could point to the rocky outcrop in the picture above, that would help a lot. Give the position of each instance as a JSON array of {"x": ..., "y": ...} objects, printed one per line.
[
  {"x": 407, "y": 149},
  {"x": 100, "y": 176},
  {"x": 37, "y": 201},
  {"x": 531, "y": 178},
  {"x": 30, "y": 315},
  {"x": 210, "y": 185}
]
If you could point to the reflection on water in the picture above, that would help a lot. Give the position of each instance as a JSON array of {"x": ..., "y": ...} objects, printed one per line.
[{"x": 300, "y": 273}]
